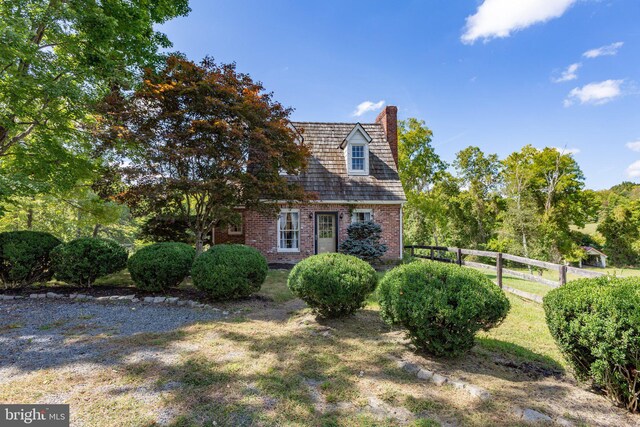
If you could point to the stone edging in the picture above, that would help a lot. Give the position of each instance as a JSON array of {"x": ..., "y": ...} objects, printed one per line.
[
  {"x": 440, "y": 380},
  {"x": 131, "y": 298},
  {"x": 527, "y": 415}
]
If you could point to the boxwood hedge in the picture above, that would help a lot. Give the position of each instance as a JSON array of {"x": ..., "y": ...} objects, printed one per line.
[
  {"x": 596, "y": 324},
  {"x": 333, "y": 284},
  {"x": 441, "y": 305},
  {"x": 229, "y": 271},
  {"x": 83, "y": 260},
  {"x": 161, "y": 265},
  {"x": 24, "y": 257}
]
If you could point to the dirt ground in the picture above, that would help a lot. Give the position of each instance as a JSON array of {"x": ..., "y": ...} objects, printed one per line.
[{"x": 268, "y": 363}]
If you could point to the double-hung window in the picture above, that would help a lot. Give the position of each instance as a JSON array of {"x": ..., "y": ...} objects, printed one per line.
[
  {"x": 289, "y": 230},
  {"x": 235, "y": 229},
  {"x": 356, "y": 151},
  {"x": 361, "y": 215},
  {"x": 357, "y": 158}
]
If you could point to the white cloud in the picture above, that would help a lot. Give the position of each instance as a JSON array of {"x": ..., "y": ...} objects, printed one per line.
[
  {"x": 608, "y": 50},
  {"x": 568, "y": 74},
  {"x": 499, "y": 18},
  {"x": 595, "y": 93},
  {"x": 566, "y": 150},
  {"x": 634, "y": 145},
  {"x": 366, "y": 106},
  {"x": 633, "y": 171}
]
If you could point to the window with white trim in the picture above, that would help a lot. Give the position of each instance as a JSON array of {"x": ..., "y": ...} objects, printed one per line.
[
  {"x": 289, "y": 230},
  {"x": 361, "y": 215},
  {"x": 235, "y": 229},
  {"x": 356, "y": 151},
  {"x": 357, "y": 157}
]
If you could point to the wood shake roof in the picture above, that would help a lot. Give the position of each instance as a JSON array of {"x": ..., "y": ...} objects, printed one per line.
[{"x": 327, "y": 176}]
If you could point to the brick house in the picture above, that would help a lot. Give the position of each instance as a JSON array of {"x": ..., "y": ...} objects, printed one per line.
[{"x": 353, "y": 173}]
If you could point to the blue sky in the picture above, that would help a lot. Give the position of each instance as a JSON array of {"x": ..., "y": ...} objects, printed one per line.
[{"x": 495, "y": 73}]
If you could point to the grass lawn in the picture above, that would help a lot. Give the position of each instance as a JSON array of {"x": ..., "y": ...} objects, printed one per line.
[{"x": 275, "y": 363}]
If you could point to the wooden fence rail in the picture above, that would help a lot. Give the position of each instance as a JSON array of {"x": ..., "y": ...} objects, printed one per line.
[{"x": 439, "y": 253}]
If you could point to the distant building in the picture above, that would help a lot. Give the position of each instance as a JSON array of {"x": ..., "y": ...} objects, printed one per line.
[{"x": 594, "y": 258}]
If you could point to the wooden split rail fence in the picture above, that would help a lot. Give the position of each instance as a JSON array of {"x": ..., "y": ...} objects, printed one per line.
[{"x": 456, "y": 255}]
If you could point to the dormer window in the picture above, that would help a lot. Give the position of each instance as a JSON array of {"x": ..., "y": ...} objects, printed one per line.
[
  {"x": 357, "y": 157},
  {"x": 356, "y": 146}
]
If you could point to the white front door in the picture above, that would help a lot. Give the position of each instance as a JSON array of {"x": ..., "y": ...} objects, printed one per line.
[{"x": 326, "y": 232}]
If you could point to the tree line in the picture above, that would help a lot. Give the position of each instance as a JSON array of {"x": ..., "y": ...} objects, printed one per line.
[
  {"x": 532, "y": 203},
  {"x": 102, "y": 134}
]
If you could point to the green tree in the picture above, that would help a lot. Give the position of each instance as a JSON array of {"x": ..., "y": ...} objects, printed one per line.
[
  {"x": 199, "y": 140},
  {"x": 620, "y": 227},
  {"x": 478, "y": 204},
  {"x": 57, "y": 57},
  {"x": 521, "y": 221},
  {"x": 545, "y": 197},
  {"x": 78, "y": 214},
  {"x": 421, "y": 169}
]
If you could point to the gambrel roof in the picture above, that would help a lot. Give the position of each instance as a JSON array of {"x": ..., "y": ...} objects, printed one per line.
[{"x": 327, "y": 176}]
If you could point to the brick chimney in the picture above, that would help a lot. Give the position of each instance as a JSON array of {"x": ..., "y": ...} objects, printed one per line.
[{"x": 388, "y": 118}]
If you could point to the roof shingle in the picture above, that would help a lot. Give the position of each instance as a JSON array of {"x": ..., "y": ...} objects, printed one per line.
[{"x": 326, "y": 175}]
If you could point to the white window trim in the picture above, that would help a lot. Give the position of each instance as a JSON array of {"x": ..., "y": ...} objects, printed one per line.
[
  {"x": 355, "y": 211},
  {"x": 235, "y": 233},
  {"x": 290, "y": 250},
  {"x": 352, "y": 171},
  {"x": 347, "y": 144}
]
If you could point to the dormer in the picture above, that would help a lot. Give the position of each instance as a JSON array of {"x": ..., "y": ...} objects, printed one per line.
[{"x": 356, "y": 151}]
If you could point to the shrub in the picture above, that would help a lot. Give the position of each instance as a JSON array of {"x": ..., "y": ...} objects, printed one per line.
[
  {"x": 82, "y": 261},
  {"x": 441, "y": 305},
  {"x": 596, "y": 324},
  {"x": 24, "y": 257},
  {"x": 363, "y": 241},
  {"x": 161, "y": 265},
  {"x": 229, "y": 271},
  {"x": 333, "y": 284}
]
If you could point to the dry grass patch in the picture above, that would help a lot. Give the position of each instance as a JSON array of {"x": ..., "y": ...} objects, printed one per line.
[{"x": 277, "y": 364}]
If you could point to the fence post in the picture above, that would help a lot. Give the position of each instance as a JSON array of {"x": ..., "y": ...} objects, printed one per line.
[
  {"x": 499, "y": 269},
  {"x": 412, "y": 251},
  {"x": 431, "y": 254},
  {"x": 563, "y": 275},
  {"x": 459, "y": 251}
]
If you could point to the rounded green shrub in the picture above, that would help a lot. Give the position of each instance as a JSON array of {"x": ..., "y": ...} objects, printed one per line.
[
  {"x": 82, "y": 261},
  {"x": 229, "y": 271},
  {"x": 333, "y": 284},
  {"x": 161, "y": 265},
  {"x": 24, "y": 257},
  {"x": 441, "y": 305},
  {"x": 596, "y": 324}
]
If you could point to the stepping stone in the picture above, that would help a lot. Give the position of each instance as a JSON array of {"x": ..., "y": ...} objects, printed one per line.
[
  {"x": 424, "y": 374},
  {"x": 439, "y": 379}
]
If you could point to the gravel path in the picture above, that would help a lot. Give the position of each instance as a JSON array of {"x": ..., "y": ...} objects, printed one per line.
[{"x": 37, "y": 334}]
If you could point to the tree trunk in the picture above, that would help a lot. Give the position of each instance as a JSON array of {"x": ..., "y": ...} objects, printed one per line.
[
  {"x": 78, "y": 218},
  {"x": 96, "y": 228},
  {"x": 199, "y": 242},
  {"x": 30, "y": 219}
]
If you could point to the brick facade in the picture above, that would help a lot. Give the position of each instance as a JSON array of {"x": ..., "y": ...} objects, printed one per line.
[
  {"x": 260, "y": 231},
  {"x": 329, "y": 179}
]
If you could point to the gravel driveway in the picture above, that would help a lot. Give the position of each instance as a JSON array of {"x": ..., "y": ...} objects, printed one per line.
[{"x": 37, "y": 334}]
